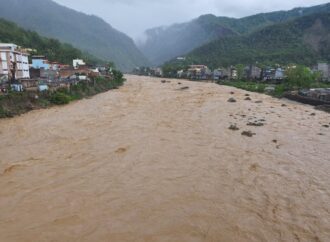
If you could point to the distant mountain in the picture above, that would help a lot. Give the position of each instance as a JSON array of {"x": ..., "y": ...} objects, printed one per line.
[
  {"x": 88, "y": 33},
  {"x": 304, "y": 40},
  {"x": 165, "y": 43},
  {"x": 53, "y": 49}
]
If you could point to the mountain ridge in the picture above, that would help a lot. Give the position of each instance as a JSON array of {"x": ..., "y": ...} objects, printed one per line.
[
  {"x": 86, "y": 32},
  {"x": 234, "y": 26},
  {"x": 305, "y": 40}
]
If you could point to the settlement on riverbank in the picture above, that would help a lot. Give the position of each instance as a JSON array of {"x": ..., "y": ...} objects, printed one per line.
[
  {"x": 157, "y": 161},
  {"x": 16, "y": 103}
]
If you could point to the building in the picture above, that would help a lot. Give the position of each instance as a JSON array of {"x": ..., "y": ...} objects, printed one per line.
[
  {"x": 324, "y": 69},
  {"x": 254, "y": 72},
  {"x": 268, "y": 74},
  {"x": 40, "y": 62},
  {"x": 13, "y": 58},
  {"x": 199, "y": 72},
  {"x": 181, "y": 58},
  {"x": 217, "y": 74},
  {"x": 78, "y": 62},
  {"x": 233, "y": 73},
  {"x": 279, "y": 74},
  {"x": 157, "y": 72}
]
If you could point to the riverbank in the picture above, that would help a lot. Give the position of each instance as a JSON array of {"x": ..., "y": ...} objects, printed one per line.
[
  {"x": 17, "y": 103},
  {"x": 155, "y": 161},
  {"x": 278, "y": 90}
]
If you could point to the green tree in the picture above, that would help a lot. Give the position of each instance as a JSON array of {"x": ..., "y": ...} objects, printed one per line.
[
  {"x": 240, "y": 71},
  {"x": 300, "y": 77}
]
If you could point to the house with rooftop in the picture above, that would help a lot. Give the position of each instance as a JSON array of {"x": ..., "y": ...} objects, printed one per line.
[
  {"x": 78, "y": 63},
  {"x": 40, "y": 62}
]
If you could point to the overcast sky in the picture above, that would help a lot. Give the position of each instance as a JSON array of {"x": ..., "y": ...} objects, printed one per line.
[{"x": 133, "y": 17}]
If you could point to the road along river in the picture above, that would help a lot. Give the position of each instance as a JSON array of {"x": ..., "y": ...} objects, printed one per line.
[{"x": 152, "y": 162}]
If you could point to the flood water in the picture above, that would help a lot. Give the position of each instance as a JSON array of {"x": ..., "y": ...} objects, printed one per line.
[{"x": 150, "y": 162}]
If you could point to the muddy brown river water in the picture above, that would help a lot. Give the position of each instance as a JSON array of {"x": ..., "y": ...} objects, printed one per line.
[{"x": 150, "y": 162}]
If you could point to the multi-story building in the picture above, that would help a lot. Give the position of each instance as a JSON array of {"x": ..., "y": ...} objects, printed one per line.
[{"x": 11, "y": 56}]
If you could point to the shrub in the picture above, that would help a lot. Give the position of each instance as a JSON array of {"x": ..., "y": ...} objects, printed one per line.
[
  {"x": 280, "y": 90},
  {"x": 60, "y": 98}
]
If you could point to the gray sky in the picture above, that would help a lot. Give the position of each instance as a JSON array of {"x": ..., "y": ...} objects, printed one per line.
[{"x": 133, "y": 17}]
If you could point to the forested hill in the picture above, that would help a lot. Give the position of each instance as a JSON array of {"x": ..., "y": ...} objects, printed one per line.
[
  {"x": 88, "y": 33},
  {"x": 258, "y": 21},
  {"x": 165, "y": 43},
  {"x": 305, "y": 40},
  {"x": 53, "y": 49}
]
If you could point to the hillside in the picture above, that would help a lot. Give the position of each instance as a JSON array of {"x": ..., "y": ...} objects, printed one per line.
[
  {"x": 88, "y": 33},
  {"x": 305, "y": 40},
  {"x": 166, "y": 43},
  {"x": 52, "y": 48}
]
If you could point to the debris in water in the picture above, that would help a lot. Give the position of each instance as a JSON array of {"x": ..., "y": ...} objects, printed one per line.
[
  {"x": 121, "y": 150},
  {"x": 254, "y": 167},
  {"x": 232, "y": 100},
  {"x": 183, "y": 88},
  {"x": 248, "y": 133},
  {"x": 256, "y": 124},
  {"x": 233, "y": 127},
  {"x": 248, "y": 99}
]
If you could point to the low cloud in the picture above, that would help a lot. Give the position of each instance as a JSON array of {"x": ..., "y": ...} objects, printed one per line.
[{"x": 133, "y": 17}]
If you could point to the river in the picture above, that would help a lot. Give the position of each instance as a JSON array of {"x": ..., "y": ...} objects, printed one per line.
[{"x": 153, "y": 161}]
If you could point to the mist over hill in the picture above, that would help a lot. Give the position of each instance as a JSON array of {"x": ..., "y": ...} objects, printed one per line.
[
  {"x": 305, "y": 40},
  {"x": 165, "y": 43}
]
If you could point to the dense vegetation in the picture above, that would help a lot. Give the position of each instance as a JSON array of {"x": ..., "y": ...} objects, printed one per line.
[
  {"x": 166, "y": 43},
  {"x": 88, "y": 33},
  {"x": 15, "y": 103},
  {"x": 301, "y": 41},
  {"x": 52, "y": 48}
]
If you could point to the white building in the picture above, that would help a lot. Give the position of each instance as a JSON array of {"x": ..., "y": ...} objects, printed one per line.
[
  {"x": 77, "y": 63},
  {"x": 11, "y": 54},
  {"x": 324, "y": 68}
]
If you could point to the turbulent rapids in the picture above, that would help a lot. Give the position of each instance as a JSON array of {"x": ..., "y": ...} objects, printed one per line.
[{"x": 157, "y": 161}]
